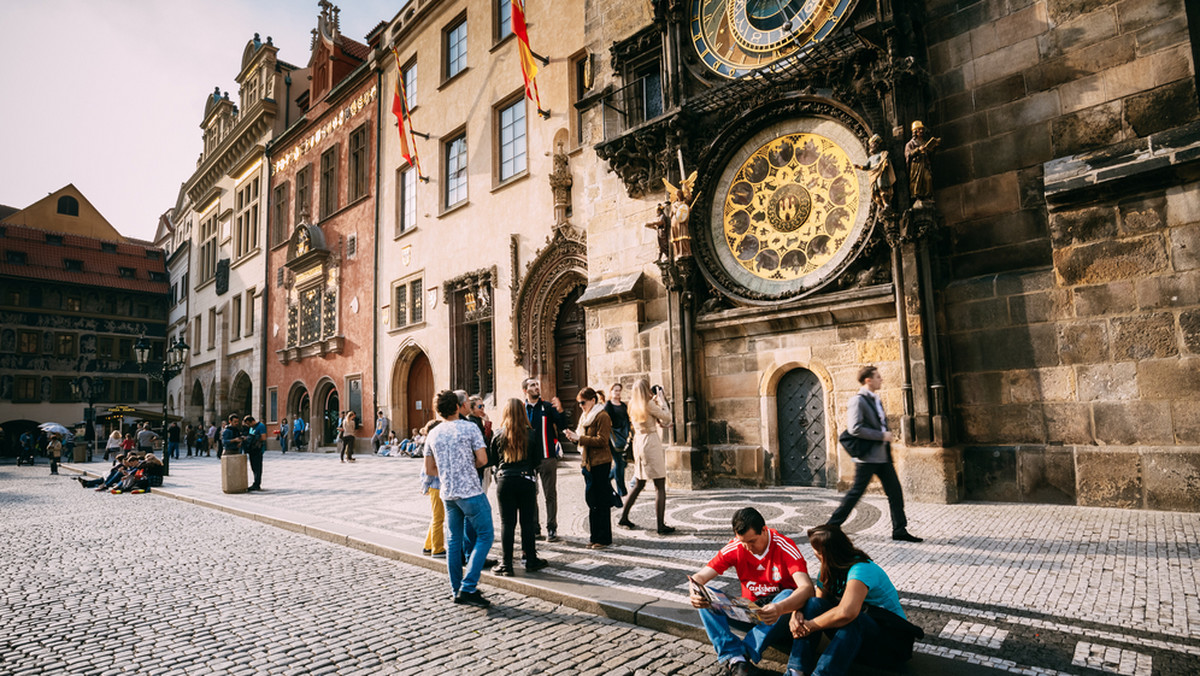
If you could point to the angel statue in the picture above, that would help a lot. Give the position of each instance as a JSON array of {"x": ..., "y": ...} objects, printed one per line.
[
  {"x": 681, "y": 210},
  {"x": 879, "y": 170}
]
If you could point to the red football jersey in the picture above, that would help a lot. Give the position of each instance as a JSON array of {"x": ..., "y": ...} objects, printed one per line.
[{"x": 762, "y": 576}]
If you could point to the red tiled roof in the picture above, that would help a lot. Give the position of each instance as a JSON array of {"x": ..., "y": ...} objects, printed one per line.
[
  {"x": 354, "y": 48},
  {"x": 46, "y": 261}
]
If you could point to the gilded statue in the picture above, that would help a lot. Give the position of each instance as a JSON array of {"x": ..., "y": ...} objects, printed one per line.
[
  {"x": 879, "y": 170},
  {"x": 680, "y": 211},
  {"x": 918, "y": 153}
]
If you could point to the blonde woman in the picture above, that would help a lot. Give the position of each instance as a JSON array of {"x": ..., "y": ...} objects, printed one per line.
[
  {"x": 114, "y": 444},
  {"x": 649, "y": 458},
  {"x": 349, "y": 425}
]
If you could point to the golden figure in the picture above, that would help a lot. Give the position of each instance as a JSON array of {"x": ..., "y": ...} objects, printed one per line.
[
  {"x": 681, "y": 210},
  {"x": 879, "y": 170},
  {"x": 918, "y": 153}
]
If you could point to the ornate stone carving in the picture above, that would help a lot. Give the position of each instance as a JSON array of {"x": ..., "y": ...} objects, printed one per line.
[{"x": 557, "y": 269}]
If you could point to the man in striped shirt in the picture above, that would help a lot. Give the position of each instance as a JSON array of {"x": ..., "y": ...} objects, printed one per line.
[{"x": 772, "y": 572}]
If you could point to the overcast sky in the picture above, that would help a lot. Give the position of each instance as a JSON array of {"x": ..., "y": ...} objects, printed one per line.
[{"x": 109, "y": 94}]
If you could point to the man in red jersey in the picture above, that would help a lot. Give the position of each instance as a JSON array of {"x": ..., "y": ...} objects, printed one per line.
[{"x": 771, "y": 571}]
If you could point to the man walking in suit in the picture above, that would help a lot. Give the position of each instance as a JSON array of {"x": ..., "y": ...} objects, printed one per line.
[{"x": 865, "y": 419}]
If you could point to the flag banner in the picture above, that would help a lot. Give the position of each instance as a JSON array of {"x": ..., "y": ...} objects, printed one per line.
[
  {"x": 529, "y": 69},
  {"x": 408, "y": 142}
]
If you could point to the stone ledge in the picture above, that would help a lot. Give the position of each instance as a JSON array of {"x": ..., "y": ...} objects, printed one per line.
[
  {"x": 843, "y": 307},
  {"x": 614, "y": 290},
  {"x": 1084, "y": 177}
]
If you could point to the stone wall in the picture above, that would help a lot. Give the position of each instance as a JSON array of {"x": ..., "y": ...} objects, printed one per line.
[{"x": 1072, "y": 326}]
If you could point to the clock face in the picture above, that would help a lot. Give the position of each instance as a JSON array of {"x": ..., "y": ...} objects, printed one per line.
[
  {"x": 735, "y": 37},
  {"x": 790, "y": 207}
]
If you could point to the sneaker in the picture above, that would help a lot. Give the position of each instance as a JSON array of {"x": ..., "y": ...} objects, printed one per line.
[
  {"x": 503, "y": 571},
  {"x": 535, "y": 564},
  {"x": 488, "y": 563},
  {"x": 472, "y": 599},
  {"x": 739, "y": 668},
  {"x": 137, "y": 491},
  {"x": 426, "y": 552},
  {"x": 539, "y": 537},
  {"x": 439, "y": 555},
  {"x": 116, "y": 491},
  {"x": 552, "y": 537}
]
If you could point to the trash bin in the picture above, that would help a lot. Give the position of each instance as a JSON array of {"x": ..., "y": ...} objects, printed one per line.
[
  {"x": 79, "y": 453},
  {"x": 233, "y": 473}
]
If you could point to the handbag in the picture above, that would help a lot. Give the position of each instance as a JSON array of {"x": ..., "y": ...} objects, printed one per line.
[{"x": 855, "y": 446}]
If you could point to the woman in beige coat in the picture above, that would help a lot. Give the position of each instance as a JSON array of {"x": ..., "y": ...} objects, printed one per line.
[{"x": 649, "y": 458}]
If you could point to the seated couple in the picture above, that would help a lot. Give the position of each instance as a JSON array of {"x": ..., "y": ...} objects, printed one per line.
[{"x": 853, "y": 603}]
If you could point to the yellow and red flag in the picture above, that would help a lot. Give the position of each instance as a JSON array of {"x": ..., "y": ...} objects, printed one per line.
[
  {"x": 408, "y": 143},
  {"x": 529, "y": 69}
]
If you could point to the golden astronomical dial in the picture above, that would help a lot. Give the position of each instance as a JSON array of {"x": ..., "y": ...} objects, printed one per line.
[
  {"x": 734, "y": 37},
  {"x": 791, "y": 206}
]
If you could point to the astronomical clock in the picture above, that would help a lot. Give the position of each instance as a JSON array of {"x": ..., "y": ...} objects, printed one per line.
[{"x": 735, "y": 37}]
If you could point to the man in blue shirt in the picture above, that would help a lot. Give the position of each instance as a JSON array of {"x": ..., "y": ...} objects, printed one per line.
[
  {"x": 298, "y": 428},
  {"x": 231, "y": 436},
  {"x": 253, "y": 447},
  {"x": 454, "y": 450}
]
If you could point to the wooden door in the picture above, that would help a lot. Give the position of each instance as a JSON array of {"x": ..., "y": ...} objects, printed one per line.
[
  {"x": 420, "y": 394},
  {"x": 800, "y": 405},
  {"x": 570, "y": 355}
]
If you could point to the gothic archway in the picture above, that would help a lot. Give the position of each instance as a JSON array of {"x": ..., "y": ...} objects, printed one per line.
[
  {"x": 240, "y": 394},
  {"x": 412, "y": 390},
  {"x": 557, "y": 270}
]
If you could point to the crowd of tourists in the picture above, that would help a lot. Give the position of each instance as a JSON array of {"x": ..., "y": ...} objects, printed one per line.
[{"x": 852, "y": 603}]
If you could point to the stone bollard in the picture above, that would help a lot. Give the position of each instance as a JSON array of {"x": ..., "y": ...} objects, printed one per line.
[{"x": 233, "y": 473}]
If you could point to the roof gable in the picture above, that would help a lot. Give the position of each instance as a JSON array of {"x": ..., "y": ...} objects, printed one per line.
[{"x": 44, "y": 214}]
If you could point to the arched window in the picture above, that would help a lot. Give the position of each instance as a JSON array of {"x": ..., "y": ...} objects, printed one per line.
[{"x": 68, "y": 205}]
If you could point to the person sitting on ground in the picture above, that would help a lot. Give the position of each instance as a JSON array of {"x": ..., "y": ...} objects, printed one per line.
[
  {"x": 856, "y": 606},
  {"x": 122, "y": 464},
  {"x": 100, "y": 483},
  {"x": 770, "y": 568}
]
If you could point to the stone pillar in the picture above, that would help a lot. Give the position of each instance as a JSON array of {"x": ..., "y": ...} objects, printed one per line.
[{"x": 233, "y": 473}]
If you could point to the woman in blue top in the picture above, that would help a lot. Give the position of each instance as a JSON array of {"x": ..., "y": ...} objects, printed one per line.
[{"x": 849, "y": 582}]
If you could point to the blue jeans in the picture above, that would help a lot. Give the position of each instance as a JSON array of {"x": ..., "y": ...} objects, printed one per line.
[
  {"x": 460, "y": 512},
  {"x": 173, "y": 448},
  {"x": 757, "y": 639},
  {"x": 618, "y": 471},
  {"x": 844, "y": 642}
]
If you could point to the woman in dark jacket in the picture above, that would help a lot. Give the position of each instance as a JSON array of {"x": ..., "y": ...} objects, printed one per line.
[
  {"x": 516, "y": 454},
  {"x": 592, "y": 436}
]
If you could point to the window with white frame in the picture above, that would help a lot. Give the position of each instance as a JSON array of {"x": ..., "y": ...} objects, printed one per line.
[
  {"x": 456, "y": 48},
  {"x": 208, "y": 248},
  {"x": 511, "y": 141},
  {"x": 410, "y": 84},
  {"x": 456, "y": 170},
  {"x": 503, "y": 19},
  {"x": 245, "y": 233},
  {"x": 406, "y": 199}
]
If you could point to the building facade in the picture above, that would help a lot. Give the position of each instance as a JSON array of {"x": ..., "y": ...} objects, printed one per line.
[
  {"x": 75, "y": 297},
  {"x": 225, "y": 200},
  {"x": 481, "y": 261},
  {"x": 1026, "y": 282},
  {"x": 320, "y": 351},
  {"x": 173, "y": 238}
]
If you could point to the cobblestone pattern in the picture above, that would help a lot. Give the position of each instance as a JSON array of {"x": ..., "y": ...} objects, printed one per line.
[
  {"x": 1044, "y": 577},
  {"x": 102, "y": 584}
]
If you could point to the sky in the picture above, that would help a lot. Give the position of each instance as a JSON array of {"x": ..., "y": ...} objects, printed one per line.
[{"x": 109, "y": 94}]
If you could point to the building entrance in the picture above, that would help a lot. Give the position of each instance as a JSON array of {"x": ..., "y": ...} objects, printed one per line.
[
  {"x": 329, "y": 418},
  {"x": 419, "y": 395},
  {"x": 801, "y": 415},
  {"x": 570, "y": 354}
]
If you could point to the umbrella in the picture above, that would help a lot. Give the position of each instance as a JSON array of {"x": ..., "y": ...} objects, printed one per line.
[{"x": 54, "y": 428}]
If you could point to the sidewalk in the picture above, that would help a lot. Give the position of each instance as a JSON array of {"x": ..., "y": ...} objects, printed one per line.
[{"x": 998, "y": 588}]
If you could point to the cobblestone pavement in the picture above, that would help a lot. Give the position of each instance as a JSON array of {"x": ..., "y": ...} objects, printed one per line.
[
  {"x": 102, "y": 584},
  {"x": 1019, "y": 588}
]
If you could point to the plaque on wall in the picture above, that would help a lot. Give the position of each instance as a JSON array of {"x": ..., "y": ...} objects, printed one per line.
[
  {"x": 222, "y": 276},
  {"x": 789, "y": 211}
]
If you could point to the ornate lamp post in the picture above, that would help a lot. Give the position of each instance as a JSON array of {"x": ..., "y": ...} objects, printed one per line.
[
  {"x": 86, "y": 388},
  {"x": 172, "y": 365}
]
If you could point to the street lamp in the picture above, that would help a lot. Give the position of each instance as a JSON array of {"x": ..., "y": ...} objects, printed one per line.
[
  {"x": 172, "y": 365},
  {"x": 86, "y": 388}
]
